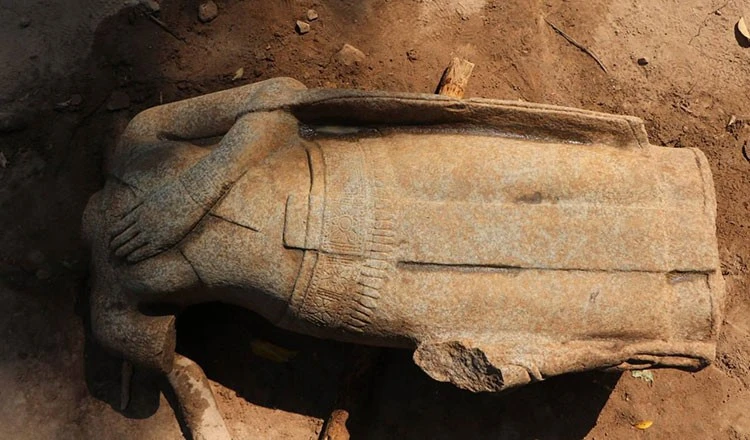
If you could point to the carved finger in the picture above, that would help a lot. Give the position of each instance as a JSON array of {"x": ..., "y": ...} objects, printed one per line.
[
  {"x": 141, "y": 254},
  {"x": 131, "y": 245},
  {"x": 124, "y": 237},
  {"x": 124, "y": 223}
]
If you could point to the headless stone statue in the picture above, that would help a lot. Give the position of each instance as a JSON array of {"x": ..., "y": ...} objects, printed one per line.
[{"x": 504, "y": 242}]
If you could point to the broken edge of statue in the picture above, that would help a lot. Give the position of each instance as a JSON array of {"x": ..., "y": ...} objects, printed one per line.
[{"x": 504, "y": 242}]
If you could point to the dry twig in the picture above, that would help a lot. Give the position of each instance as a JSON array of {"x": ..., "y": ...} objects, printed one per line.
[
  {"x": 165, "y": 27},
  {"x": 572, "y": 41}
]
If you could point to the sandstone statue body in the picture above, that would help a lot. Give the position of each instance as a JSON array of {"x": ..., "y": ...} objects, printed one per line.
[{"x": 504, "y": 242}]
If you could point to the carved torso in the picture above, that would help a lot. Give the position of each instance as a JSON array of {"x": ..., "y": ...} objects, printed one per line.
[{"x": 579, "y": 246}]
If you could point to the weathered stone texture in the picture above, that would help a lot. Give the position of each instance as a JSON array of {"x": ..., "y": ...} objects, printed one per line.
[{"x": 505, "y": 242}]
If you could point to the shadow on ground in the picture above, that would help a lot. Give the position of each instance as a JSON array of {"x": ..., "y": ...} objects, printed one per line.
[{"x": 400, "y": 400}]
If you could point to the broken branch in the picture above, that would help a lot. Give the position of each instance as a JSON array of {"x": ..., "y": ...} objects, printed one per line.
[
  {"x": 580, "y": 46},
  {"x": 455, "y": 78}
]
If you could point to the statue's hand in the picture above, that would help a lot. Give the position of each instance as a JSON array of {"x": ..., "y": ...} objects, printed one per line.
[{"x": 155, "y": 223}]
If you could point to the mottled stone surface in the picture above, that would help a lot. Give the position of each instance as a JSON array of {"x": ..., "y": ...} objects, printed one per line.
[{"x": 504, "y": 242}]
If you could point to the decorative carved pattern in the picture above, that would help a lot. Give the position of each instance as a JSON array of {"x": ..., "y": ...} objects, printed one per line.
[{"x": 358, "y": 239}]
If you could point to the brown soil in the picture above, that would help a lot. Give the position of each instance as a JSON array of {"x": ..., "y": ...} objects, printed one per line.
[{"x": 55, "y": 383}]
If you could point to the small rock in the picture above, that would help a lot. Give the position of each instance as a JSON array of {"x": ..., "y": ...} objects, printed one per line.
[
  {"x": 742, "y": 28},
  {"x": 3, "y": 160},
  {"x": 71, "y": 104},
  {"x": 312, "y": 15},
  {"x": 207, "y": 11},
  {"x": 151, "y": 5},
  {"x": 10, "y": 121},
  {"x": 118, "y": 101},
  {"x": 24, "y": 22},
  {"x": 642, "y": 61},
  {"x": 302, "y": 27},
  {"x": 43, "y": 274},
  {"x": 349, "y": 55},
  {"x": 411, "y": 55}
]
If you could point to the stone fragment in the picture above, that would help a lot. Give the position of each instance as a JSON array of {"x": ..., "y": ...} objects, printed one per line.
[
  {"x": 43, "y": 274},
  {"x": 643, "y": 61},
  {"x": 152, "y": 5},
  {"x": 24, "y": 22},
  {"x": 302, "y": 27},
  {"x": 238, "y": 74},
  {"x": 71, "y": 104},
  {"x": 312, "y": 15},
  {"x": 207, "y": 11},
  {"x": 411, "y": 55},
  {"x": 119, "y": 100},
  {"x": 349, "y": 55}
]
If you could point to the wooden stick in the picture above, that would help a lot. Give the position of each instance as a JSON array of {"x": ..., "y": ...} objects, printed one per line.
[
  {"x": 165, "y": 27},
  {"x": 196, "y": 401},
  {"x": 585, "y": 49},
  {"x": 455, "y": 78}
]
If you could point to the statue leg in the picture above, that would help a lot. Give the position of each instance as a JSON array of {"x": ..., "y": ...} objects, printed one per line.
[{"x": 119, "y": 293}]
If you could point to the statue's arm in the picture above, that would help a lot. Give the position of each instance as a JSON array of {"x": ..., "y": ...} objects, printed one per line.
[
  {"x": 165, "y": 215},
  {"x": 252, "y": 138},
  {"x": 204, "y": 116}
]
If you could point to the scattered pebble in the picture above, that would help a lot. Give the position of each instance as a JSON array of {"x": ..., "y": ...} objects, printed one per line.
[
  {"x": 71, "y": 104},
  {"x": 312, "y": 15},
  {"x": 152, "y": 5},
  {"x": 411, "y": 55},
  {"x": 349, "y": 55},
  {"x": 302, "y": 27},
  {"x": 3, "y": 161},
  {"x": 43, "y": 274},
  {"x": 734, "y": 120},
  {"x": 118, "y": 101},
  {"x": 642, "y": 61},
  {"x": 207, "y": 11},
  {"x": 25, "y": 22},
  {"x": 645, "y": 375},
  {"x": 238, "y": 74}
]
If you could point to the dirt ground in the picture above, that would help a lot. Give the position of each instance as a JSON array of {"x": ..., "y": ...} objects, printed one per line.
[{"x": 62, "y": 62}]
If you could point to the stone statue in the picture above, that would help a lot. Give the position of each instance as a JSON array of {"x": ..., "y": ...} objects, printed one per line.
[{"x": 505, "y": 242}]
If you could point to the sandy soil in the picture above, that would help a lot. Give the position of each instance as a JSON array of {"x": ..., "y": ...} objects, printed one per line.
[{"x": 56, "y": 384}]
